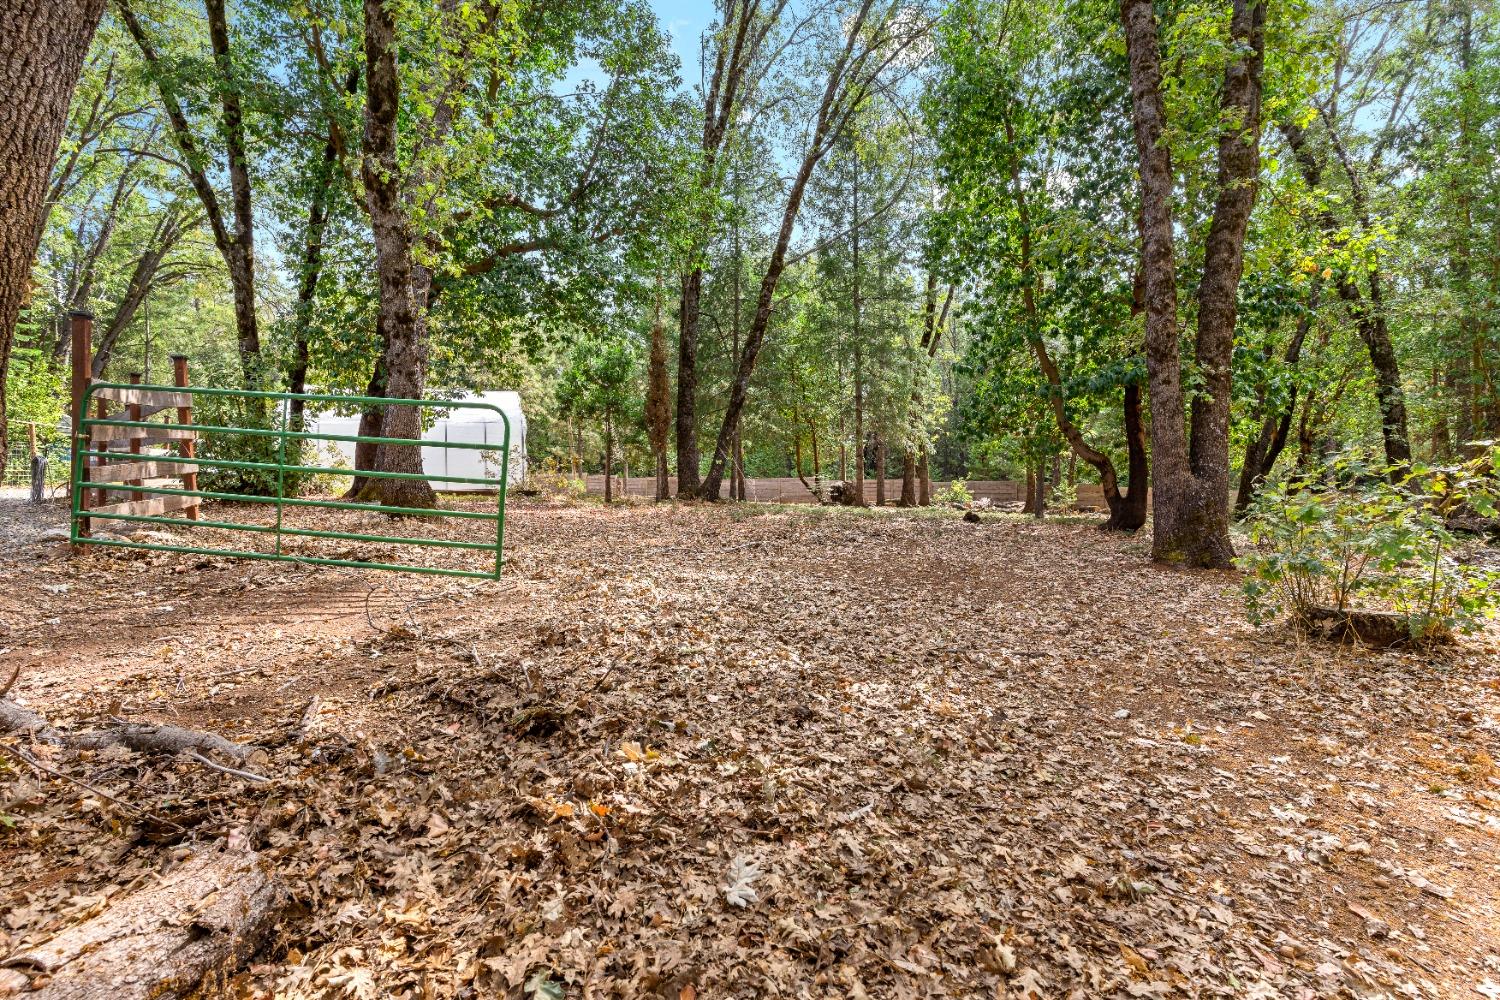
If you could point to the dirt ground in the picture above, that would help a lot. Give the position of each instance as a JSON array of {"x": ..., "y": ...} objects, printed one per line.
[{"x": 706, "y": 752}]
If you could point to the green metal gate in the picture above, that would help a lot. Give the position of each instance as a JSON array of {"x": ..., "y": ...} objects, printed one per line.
[{"x": 92, "y": 437}]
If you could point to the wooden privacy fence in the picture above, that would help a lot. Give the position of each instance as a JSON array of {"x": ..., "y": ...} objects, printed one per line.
[{"x": 791, "y": 490}]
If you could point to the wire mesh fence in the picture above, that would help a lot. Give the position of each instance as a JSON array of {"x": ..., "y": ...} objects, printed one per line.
[{"x": 29, "y": 445}]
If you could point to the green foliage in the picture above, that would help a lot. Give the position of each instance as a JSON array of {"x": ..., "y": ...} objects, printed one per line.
[
  {"x": 956, "y": 493},
  {"x": 249, "y": 414},
  {"x": 1353, "y": 540},
  {"x": 554, "y": 483},
  {"x": 36, "y": 392},
  {"x": 599, "y": 379}
]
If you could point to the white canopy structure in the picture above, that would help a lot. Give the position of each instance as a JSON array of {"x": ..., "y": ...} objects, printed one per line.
[{"x": 458, "y": 424}]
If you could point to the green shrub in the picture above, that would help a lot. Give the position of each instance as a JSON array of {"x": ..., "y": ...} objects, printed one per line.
[
  {"x": 1064, "y": 496},
  {"x": 254, "y": 414},
  {"x": 1353, "y": 541},
  {"x": 552, "y": 482},
  {"x": 956, "y": 493}
]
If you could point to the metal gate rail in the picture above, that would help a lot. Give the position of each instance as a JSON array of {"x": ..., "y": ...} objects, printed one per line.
[{"x": 90, "y": 473}]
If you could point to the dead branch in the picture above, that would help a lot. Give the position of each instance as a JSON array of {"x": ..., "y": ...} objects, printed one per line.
[
  {"x": 140, "y": 737},
  {"x": 309, "y": 720},
  {"x": 31, "y": 761},
  {"x": 235, "y": 772}
]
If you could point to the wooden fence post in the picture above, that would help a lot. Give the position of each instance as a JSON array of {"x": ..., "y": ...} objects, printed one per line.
[
  {"x": 38, "y": 468},
  {"x": 187, "y": 449},
  {"x": 83, "y": 357}
]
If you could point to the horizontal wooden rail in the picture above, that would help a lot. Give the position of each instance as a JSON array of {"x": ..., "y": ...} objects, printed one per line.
[
  {"x": 124, "y": 472},
  {"x": 155, "y": 505},
  {"x": 145, "y": 397},
  {"x": 117, "y": 432}
]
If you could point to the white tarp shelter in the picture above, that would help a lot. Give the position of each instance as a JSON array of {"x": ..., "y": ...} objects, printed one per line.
[{"x": 458, "y": 424}]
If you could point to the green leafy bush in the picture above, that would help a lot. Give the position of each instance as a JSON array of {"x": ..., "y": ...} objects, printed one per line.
[
  {"x": 1064, "y": 495},
  {"x": 252, "y": 414},
  {"x": 956, "y": 493},
  {"x": 1353, "y": 541}
]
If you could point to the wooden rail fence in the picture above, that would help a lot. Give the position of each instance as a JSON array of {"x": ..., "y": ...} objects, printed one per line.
[{"x": 791, "y": 490}]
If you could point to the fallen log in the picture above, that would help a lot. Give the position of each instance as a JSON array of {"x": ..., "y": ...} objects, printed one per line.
[
  {"x": 1381, "y": 629},
  {"x": 137, "y": 736},
  {"x": 190, "y": 928}
]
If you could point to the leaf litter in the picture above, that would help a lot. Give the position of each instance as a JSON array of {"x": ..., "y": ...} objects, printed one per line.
[{"x": 694, "y": 751}]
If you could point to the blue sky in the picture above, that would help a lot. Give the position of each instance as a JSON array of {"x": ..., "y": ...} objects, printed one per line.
[{"x": 685, "y": 21}]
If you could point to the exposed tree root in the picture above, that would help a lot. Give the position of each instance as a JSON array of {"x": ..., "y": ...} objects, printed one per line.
[{"x": 140, "y": 737}]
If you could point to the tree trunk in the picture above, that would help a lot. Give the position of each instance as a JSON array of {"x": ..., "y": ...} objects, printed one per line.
[
  {"x": 687, "y": 384},
  {"x": 1100, "y": 460},
  {"x": 182, "y": 933},
  {"x": 242, "y": 260},
  {"x": 831, "y": 118},
  {"x": 658, "y": 406},
  {"x": 859, "y": 428},
  {"x": 169, "y": 229},
  {"x": 1127, "y": 510},
  {"x": 739, "y": 44},
  {"x": 1262, "y": 450},
  {"x": 312, "y": 266},
  {"x": 879, "y": 471},
  {"x": 401, "y": 321},
  {"x": 739, "y": 465},
  {"x": 42, "y": 48},
  {"x": 1370, "y": 321},
  {"x": 924, "y": 471},
  {"x": 859, "y": 356},
  {"x": 371, "y": 421},
  {"x": 817, "y": 462},
  {"x": 237, "y": 245},
  {"x": 908, "y": 479},
  {"x": 1039, "y": 501},
  {"x": 609, "y": 459},
  {"x": 1369, "y": 316},
  {"x": 1191, "y": 481}
]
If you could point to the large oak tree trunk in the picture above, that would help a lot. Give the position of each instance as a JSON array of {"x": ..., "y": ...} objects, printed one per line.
[
  {"x": 42, "y": 48},
  {"x": 401, "y": 321},
  {"x": 1191, "y": 474},
  {"x": 687, "y": 384}
]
